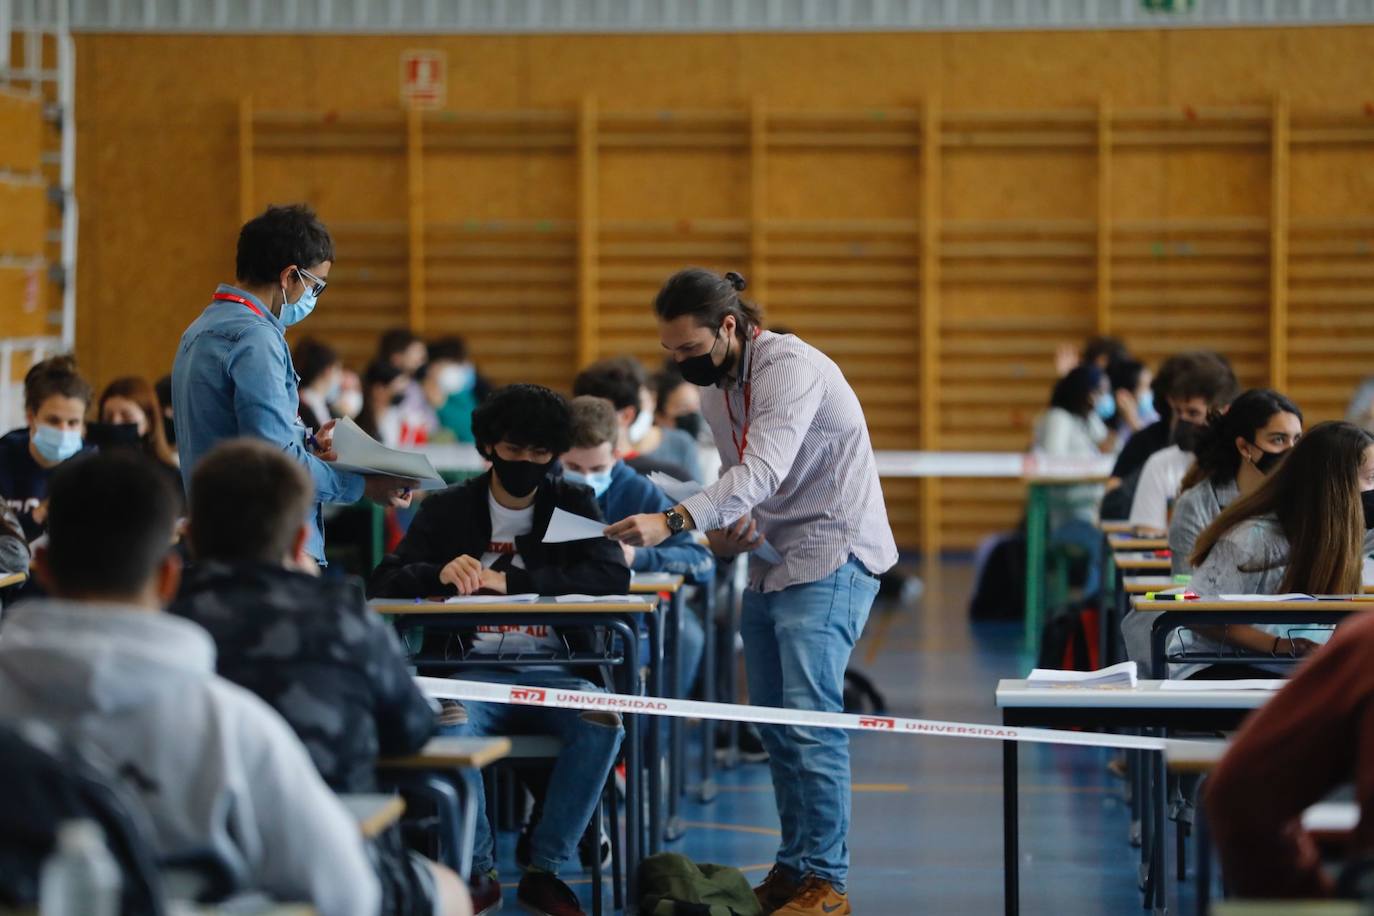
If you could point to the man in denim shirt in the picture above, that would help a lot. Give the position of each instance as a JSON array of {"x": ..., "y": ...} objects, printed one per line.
[{"x": 233, "y": 374}]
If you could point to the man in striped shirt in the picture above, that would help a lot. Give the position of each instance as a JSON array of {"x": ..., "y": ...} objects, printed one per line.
[{"x": 799, "y": 490}]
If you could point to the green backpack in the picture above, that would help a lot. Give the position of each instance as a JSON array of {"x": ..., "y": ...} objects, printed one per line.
[{"x": 674, "y": 885}]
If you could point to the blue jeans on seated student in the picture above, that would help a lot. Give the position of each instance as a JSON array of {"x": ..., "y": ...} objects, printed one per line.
[
  {"x": 590, "y": 744},
  {"x": 796, "y": 647},
  {"x": 693, "y": 648}
]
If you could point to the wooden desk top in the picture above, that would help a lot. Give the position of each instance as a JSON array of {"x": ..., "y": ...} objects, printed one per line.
[
  {"x": 1131, "y": 542},
  {"x": 1140, "y": 585},
  {"x": 1133, "y": 560},
  {"x": 13, "y": 579},
  {"x": 1286, "y": 908},
  {"x": 448, "y": 753},
  {"x": 374, "y": 813},
  {"x": 1254, "y": 607},
  {"x": 1118, "y": 526},
  {"x": 653, "y": 583},
  {"x": 409, "y": 606},
  {"x": 1194, "y": 756}
]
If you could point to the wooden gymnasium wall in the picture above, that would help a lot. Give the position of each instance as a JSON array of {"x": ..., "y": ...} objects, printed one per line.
[{"x": 936, "y": 211}]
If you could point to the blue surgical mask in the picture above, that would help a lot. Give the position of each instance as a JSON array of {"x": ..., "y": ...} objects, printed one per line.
[
  {"x": 296, "y": 312},
  {"x": 56, "y": 445},
  {"x": 600, "y": 482},
  {"x": 1145, "y": 407},
  {"x": 1105, "y": 405}
]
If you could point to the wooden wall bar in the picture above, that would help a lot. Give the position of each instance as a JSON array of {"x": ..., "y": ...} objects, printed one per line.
[{"x": 937, "y": 212}]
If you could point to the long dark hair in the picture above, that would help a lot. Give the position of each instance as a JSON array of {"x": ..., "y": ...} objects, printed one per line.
[
  {"x": 1315, "y": 494},
  {"x": 708, "y": 297},
  {"x": 1218, "y": 460},
  {"x": 1075, "y": 391}
]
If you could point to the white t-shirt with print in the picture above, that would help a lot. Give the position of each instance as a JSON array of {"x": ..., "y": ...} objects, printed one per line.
[{"x": 506, "y": 526}]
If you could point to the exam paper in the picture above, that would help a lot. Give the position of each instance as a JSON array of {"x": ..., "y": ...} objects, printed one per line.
[
  {"x": 565, "y": 526},
  {"x": 1295, "y": 596},
  {"x": 1256, "y": 683},
  {"x": 360, "y": 453},
  {"x": 493, "y": 599},
  {"x": 674, "y": 489},
  {"x": 600, "y": 599},
  {"x": 1122, "y": 674}
]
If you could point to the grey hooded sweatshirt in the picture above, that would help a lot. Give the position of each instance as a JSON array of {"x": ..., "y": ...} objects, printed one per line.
[{"x": 216, "y": 767}]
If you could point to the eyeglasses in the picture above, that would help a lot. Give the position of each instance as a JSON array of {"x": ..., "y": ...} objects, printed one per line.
[{"x": 317, "y": 285}]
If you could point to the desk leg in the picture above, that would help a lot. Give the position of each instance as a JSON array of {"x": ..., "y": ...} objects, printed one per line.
[
  {"x": 1159, "y": 859},
  {"x": 1037, "y": 534},
  {"x": 1106, "y": 619},
  {"x": 467, "y": 838},
  {"x": 634, "y": 772},
  {"x": 738, "y": 572},
  {"x": 655, "y": 742},
  {"x": 677, "y": 756},
  {"x": 707, "y": 790},
  {"x": 1011, "y": 853},
  {"x": 1203, "y": 840}
]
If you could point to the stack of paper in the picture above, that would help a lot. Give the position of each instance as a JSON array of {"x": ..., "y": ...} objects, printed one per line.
[
  {"x": 1294, "y": 596},
  {"x": 601, "y": 599},
  {"x": 1122, "y": 675},
  {"x": 360, "y": 453},
  {"x": 493, "y": 599}
]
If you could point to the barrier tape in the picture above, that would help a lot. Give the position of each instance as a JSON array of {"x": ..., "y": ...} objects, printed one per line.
[{"x": 558, "y": 698}]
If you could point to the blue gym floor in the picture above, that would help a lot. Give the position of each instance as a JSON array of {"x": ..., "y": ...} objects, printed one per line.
[{"x": 927, "y": 827}]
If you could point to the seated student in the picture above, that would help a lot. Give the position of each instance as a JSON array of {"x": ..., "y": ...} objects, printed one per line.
[
  {"x": 487, "y": 535},
  {"x": 216, "y": 768},
  {"x": 621, "y": 381},
  {"x": 321, "y": 371},
  {"x": 620, "y": 493},
  {"x": 1154, "y": 436},
  {"x": 384, "y": 388},
  {"x": 1314, "y": 736},
  {"x": 1133, "y": 398},
  {"x": 1196, "y": 390},
  {"x": 56, "y": 399},
  {"x": 1235, "y": 452},
  {"x": 308, "y": 646},
  {"x": 131, "y": 403},
  {"x": 453, "y": 386},
  {"x": 1302, "y": 530}
]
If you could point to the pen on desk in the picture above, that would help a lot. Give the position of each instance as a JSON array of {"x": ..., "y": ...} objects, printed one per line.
[{"x": 1156, "y": 596}]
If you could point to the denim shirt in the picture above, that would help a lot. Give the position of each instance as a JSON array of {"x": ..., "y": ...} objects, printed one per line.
[{"x": 233, "y": 377}]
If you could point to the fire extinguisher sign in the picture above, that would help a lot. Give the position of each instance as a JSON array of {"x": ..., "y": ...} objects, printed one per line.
[{"x": 423, "y": 79}]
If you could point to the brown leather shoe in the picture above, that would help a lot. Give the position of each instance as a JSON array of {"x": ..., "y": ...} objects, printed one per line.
[
  {"x": 776, "y": 890},
  {"x": 816, "y": 897}
]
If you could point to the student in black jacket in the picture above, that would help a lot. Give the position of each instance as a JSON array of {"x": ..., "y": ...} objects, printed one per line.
[{"x": 486, "y": 535}]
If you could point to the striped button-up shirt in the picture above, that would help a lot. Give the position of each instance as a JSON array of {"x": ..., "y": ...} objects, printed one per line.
[{"x": 807, "y": 474}]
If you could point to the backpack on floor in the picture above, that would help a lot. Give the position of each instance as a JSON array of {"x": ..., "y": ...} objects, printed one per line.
[
  {"x": 674, "y": 885},
  {"x": 1069, "y": 642},
  {"x": 1000, "y": 591}
]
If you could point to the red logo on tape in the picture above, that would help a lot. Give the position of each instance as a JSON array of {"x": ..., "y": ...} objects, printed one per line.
[
  {"x": 526, "y": 695},
  {"x": 871, "y": 722}
]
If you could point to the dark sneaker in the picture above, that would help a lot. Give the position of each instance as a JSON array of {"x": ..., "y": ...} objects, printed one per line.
[
  {"x": 486, "y": 894},
  {"x": 776, "y": 890},
  {"x": 817, "y": 897},
  {"x": 751, "y": 748},
  {"x": 543, "y": 894}
]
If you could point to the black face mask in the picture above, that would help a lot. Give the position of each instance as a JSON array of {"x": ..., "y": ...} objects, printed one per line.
[
  {"x": 520, "y": 478},
  {"x": 1268, "y": 461},
  {"x": 691, "y": 424},
  {"x": 702, "y": 370},
  {"x": 1367, "y": 501},
  {"x": 1186, "y": 435},
  {"x": 398, "y": 398}
]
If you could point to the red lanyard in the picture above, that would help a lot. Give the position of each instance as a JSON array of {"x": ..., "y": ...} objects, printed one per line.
[
  {"x": 742, "y": 443},
  {"x": 230, "y": 297}
]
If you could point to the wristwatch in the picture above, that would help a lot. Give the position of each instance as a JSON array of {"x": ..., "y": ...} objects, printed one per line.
[{"x": 677, "y": 522}]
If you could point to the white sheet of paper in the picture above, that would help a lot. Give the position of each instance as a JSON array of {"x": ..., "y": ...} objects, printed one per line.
[
  {"x": 360, "y": 453},
  {"x": 599, "y": 599},
  {"x": 1242, "y": 684},
  {"x": 674, "y": 489},
  {"x": 564, "y": 526},
  {"x": 1122, "y": 672},
  {"x": 1294, "y": 596},
  {"x": 493, "y": 599}
]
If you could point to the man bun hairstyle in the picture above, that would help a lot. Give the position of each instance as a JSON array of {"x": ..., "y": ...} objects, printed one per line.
[{"x": 708, "y": 297}]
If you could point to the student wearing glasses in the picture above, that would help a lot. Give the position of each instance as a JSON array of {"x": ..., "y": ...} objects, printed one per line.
[{"x": 233, "y": 374}]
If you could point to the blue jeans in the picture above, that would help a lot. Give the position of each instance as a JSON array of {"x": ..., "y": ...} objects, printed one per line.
[
  {"x": 589, "y": 750},
  {"x": 796, "y": 647}
]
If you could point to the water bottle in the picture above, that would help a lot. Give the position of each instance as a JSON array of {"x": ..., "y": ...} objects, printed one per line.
[{"x": 80, "y": 877}]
